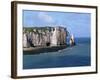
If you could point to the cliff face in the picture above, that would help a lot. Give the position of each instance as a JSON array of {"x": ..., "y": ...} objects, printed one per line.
[{"x": 44, "y": 36}]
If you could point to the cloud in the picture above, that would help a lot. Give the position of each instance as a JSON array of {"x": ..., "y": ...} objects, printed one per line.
[{"x": 45, "y": 17}]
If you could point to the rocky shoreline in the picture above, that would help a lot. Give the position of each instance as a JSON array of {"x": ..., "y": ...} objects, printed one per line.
[{"x": 37, "y": 50}]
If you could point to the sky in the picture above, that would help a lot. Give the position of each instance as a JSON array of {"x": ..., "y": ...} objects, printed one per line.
[{"x": 78, "y": 24}]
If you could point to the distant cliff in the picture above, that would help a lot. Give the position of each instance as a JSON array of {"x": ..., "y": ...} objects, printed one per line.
[{"x": 44, "y": 36}]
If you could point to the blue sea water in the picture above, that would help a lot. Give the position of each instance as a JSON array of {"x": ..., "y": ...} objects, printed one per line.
[{"x": 78, "y": 55}]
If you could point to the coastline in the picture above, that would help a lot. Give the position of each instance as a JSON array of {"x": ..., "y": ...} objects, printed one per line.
[{"x": 37, "y": 50}]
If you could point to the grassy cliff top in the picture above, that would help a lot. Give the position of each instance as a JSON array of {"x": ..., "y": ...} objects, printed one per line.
[{"x": 46, "y": 28}]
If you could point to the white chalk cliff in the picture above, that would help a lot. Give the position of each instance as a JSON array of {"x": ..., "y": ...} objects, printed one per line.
[{"x": 54, "y": 38}]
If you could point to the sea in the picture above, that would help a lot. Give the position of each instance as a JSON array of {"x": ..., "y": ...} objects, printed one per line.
[{"x": 72, "y": 56}]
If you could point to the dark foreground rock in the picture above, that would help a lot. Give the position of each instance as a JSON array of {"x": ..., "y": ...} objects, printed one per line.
[{"x": 37, "y": 50}]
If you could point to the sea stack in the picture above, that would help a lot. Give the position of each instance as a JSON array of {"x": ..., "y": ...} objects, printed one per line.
[{"x": 72, "y": 41}]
